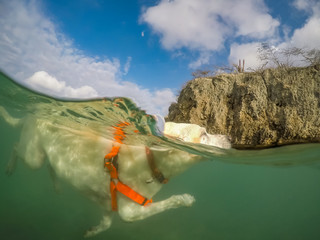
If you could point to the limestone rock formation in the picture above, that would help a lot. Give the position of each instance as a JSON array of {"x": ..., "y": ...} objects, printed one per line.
[{"x": 258, "y": 109}]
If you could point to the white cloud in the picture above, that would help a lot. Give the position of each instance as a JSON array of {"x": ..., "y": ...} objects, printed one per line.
[
  {"x": 204, "y": 58},
  {"x": 33, "y": 43},
  {"x": 204, "y": 25},
  {"x": 127, "y": 66},
  {"x": 31, "y": 48},
  {"x": 248, "y": 52},
  {"x": 306, "y": 37},
  {"x": 309, "y": 35},
  {"x": 43, "y": 82},
  {"x": 301, "y": 4},
  {"x": 163, "y": 98},
  {"x": 311, "y": 6}
]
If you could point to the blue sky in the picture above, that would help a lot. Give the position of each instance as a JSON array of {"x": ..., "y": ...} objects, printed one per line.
[
  {"x": 112, "y": 28},
  {"x": 142, "y": 49}
]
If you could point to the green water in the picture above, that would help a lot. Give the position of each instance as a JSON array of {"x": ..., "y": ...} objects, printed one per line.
[{"x": 266, "y": 194}]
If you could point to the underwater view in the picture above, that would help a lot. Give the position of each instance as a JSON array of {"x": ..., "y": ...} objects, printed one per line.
[{"x": 240, "y": 194}]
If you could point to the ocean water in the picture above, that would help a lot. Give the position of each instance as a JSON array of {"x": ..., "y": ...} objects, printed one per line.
[{"x": 263, "y": 194}]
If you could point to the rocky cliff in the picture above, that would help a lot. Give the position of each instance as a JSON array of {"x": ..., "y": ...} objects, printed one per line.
[{"x": 257, "y": 109}]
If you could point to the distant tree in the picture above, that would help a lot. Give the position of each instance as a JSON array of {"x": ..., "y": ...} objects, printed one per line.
[
  {"x": 311, "y": 57},
  {"x": 271, "y": 56},
  {"x": 201, "y": 73}
]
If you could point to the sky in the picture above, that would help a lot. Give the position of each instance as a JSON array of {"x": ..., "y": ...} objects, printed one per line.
[{"x": 142, "y": 49}]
